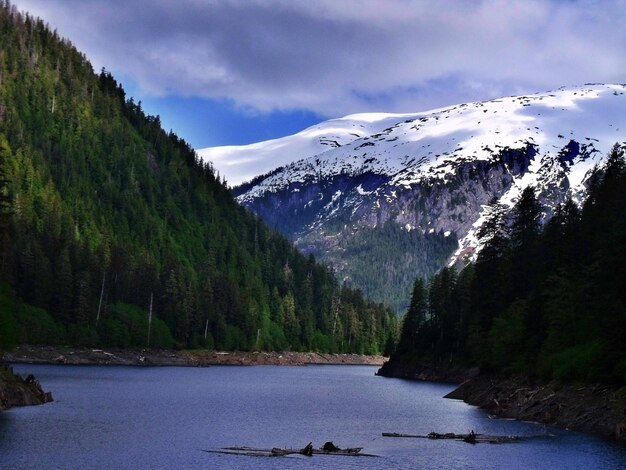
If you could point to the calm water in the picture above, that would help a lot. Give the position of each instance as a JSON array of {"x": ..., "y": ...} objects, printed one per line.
[{"x": 125, "y": 417}]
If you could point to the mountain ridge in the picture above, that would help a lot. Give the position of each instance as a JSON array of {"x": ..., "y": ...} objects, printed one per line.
[{"x": 308, "y": 142}]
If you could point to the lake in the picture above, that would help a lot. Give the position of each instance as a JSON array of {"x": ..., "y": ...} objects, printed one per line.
[{"x": 163, "y": 417}]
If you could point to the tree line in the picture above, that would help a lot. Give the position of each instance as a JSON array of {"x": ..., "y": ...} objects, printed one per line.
[
  {"x": 115, "y": 233},
  {"x": 545, "y": 299}
]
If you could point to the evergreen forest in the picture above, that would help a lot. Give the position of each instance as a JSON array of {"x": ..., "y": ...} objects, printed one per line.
[
  {"x": 384, "y": 259},
  {"x": 542, "y": 299},
  {"x": 114, "y": 233}
]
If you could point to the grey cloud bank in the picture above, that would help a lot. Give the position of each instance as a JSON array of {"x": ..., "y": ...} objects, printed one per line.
[{"x": 336, "y": 58}]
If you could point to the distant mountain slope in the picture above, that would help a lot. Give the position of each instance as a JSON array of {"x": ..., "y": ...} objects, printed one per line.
[
  {"x": 269, "y": 155},
  {"x": 114, "y": 233},
  {"x": 407, "y": 199}
]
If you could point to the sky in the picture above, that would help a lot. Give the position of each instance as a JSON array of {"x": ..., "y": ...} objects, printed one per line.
[{"x": 233, "y": 72}]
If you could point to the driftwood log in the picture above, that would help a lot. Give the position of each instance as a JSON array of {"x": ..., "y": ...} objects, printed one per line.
[
  {"x": 471, "y": 438},
  {"x": 308, "y": 451}
]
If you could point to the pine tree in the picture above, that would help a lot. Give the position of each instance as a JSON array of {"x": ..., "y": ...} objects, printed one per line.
[
  {"x": 5, "y": 208},
  {"x": 443, "y": 316},
  {"x": 524, "y": 237},
  {"x": 489, "y": 282},
  {"x": 62, "y": 300},
  {"x": 414, "y": 319},
  {"x": 559, "y": 243}
]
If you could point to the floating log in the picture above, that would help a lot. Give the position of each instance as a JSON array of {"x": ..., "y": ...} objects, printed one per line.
[
  {"x": 471, "y": 438},
  {"x": 280, "y": 452}
]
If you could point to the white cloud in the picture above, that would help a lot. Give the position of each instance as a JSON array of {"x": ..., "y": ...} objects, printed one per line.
[{"x": 350, "y": 56}]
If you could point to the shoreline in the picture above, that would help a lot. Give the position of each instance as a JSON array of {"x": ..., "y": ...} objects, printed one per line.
[
  {"x": 27, "y": 354},
  {"x": 591, "y": 408},
  {"x": 16, "y": 390}
]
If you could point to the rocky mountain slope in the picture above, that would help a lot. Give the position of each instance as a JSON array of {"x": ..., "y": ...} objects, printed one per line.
[{"x": 408, "y": 193}]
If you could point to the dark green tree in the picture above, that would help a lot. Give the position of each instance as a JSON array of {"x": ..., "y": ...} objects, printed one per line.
[
  {"x": 414, "y": 319},
  {"x": 524, "y": 237},
  {"x": 6, "y": 210}
]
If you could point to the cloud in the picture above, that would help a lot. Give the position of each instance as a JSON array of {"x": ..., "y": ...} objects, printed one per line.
[{"x": 335, "y": 58}]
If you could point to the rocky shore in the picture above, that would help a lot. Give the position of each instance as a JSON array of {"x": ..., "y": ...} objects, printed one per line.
[
  {"x": 86, "y": 356},
  {"x": 19, "y": 391},
  {"x": 591, "y": 408},
  {"x": 407, "y": 369}
]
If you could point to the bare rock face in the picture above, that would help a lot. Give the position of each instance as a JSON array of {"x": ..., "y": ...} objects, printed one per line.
[{"x": 18, "y": 391}]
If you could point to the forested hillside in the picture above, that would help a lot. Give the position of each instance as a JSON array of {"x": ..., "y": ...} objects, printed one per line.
[
  {"x": 547, "y": 302},
  {"x": 109, "y": 223}
]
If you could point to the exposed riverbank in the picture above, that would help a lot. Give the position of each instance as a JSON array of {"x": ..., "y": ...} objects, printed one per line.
[
  {"x": 591, "y": 408},
  {"x": 18, "y": 391},
  {"x": 408, "y": 369},
  {"x": 86, "y": 356}
]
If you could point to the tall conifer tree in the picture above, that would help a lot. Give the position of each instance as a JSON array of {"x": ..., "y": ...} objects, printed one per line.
[{"x": 414, "y": 318}]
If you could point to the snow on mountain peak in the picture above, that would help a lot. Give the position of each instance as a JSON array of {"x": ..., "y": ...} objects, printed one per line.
[
  {"x": 430, "y": 173},
  {"x": 242, "y": 163},
  {"x": 461, "y": 130},
  {"x": 412, "y": 146}
]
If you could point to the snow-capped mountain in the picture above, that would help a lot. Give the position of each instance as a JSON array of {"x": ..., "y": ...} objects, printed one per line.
[
  {"x": 385, "y": 198},
  {"x": 250, "y": 161}
]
